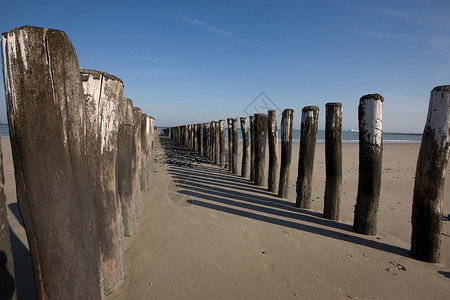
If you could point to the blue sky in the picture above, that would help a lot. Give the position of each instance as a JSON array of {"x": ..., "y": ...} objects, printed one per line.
[{"x": 198, "y": 61}]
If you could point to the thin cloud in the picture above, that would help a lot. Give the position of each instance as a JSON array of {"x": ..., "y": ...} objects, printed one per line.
[
  {"x": 435, "y": 41},
  {"x": 206, "y": 26},
  {"x": 397, "y": 13},
  {"x": 155, "y": 59},
  {"x": 387, "y": 35}
]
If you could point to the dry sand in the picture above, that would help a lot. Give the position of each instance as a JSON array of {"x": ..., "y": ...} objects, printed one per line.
[{"x": 207, "y": 234}]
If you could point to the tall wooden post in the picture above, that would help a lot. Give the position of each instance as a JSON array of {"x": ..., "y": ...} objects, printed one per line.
[
  {"x": 217, "y": 139},
  {"x": 245, "y": 148},
  {"x": 137, "y": 150},
  {"x": 252, "y": 148},
  {"x": 260, "y": 147},
  {"x": 200, "y": 138},
  {"x": 333, "y": 160},
  {"x": 125, "y": 162},
  {"x": 46, "y": 115},
  {"x": 235, "y": 145},
  {"x": 230, "y": 142},
  {"x": 430, "y": 176},
  {"x": 273, "y": 151},
  {"x": 222, "y": 142},
  {"x": 286, "y": 151},
  {"x": 213, "y": 141},
  {"x": 370, "y": 115},
  {"x": 103, "y": 94},
  {"x": 310, "y": 119},
  {"x": 205, "y": 140}
]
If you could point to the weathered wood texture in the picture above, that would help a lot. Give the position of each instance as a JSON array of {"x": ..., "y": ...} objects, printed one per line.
[
  {"x": 287, "y": 120},
  {"x": 7, "y": 283},
  {"x": 222, "y": 143},
  {"x": 230, "y": 142},
  {"x": 213, "y": 141},
  {"x": 245, "y": 171},
  {"x": 333, "y": 160},
  {"x": 370, "y": 115},
  {"x": 126, "y": 161},
  {"x": 430, "y": 176},
  {"x": 235, "y": 146},
  {"x": 252, "y": 148},
  {"x": 205, "y": 140},
  {"x": 200, "y": 139},
  {"x": 136, "y": 150},
  {"x": 46, "y": 115},
  {"x": 217, "y": 143},
  {"x": 260, "y": 148},
  {"x": 310, "y": 118},
  {"x": 103, "y": 94},
  {"x": 273, "y": 151}
]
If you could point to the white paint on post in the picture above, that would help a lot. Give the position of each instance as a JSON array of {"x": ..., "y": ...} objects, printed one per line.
[
  {"x": 438, "y": 119},
  {"x": 372, "y": 120}
]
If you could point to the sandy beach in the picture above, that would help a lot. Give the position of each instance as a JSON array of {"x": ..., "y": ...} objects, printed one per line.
[{"x": 205, "y": 233}]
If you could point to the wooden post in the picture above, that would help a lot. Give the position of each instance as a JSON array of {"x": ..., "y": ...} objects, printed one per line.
[
  {"x": 430, "y": 176},
  {"x": 286, "y": 151},
  {"x": 235, "y": 145},
  {"x": 222, "y": 142},
  {"x": 333, "y": 160},
  {"x": 245, "y": 148},
  {"x": 370, "y": 114},
  {"x": 200, "y": 138},
  {"x": 205, "y": 140},
  {"x": 46, "y": 115},
  {"x": 230, "y": 142},
  {"x": 212, "y": 142},
  {"x": 260, "y": 147},
  {"x": 137, "y": 152},
  {"x": 252, "y": 148},
  {"x": 217, "y": 142},
  {"x": 125, "y": 161},
  {"x": 7, "y": 284},
  {"x": 103, "y": 93},
  {"x": 145, "y": 127},
  {"x": 310, "y": 118},
  {"x": 273, "y": 151}
]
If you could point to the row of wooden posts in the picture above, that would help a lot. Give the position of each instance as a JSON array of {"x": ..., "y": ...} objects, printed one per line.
[
  {"x": 82, "y": 155},
  {"x": 208, "y": 139}
]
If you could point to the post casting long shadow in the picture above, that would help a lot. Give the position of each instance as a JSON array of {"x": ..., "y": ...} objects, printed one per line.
[{"x": 212, "y": 188}]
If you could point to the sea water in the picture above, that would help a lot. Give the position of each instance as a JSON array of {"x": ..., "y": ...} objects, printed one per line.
[{"x": 349, "y": 136}]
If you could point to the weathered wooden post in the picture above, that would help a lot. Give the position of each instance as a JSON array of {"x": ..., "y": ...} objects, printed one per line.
[
  {"x": 235, "y": 145},
  {"x": 310, "y": 118},
  {"x": 245, "y": 171},
  {"x": 273, "y": 151},
  {"x": 186, "y": 135},
  {"x": 46, "y": 115},
  {"x": 217, "y": 142},
  {"x": 137, "y": 152},
  {"x": 222, "y": 142},
  {"x": 370, "y": 114},
  {"x": 145, "y": 127},
  {"x": 200, "y": 138},
  {"x": 252, "y": 148},
  {"x": 103, "y": 93},
  {"x": 260, "y": 147},
  {"x": 212, "y": 140},
  {"x": 230, "y": 143},
  {"x": 287, "y": 120},
  {"x": 430, "y": 176},
  {"x": 125, "y": 161},
  {"x": 333, "y": 160},
  {"x": 205, "y": 140},
  {"x": 7, "y": 283}
]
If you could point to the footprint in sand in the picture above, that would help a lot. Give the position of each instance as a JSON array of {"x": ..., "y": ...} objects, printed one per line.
[{"x": 275, "y": 275}]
